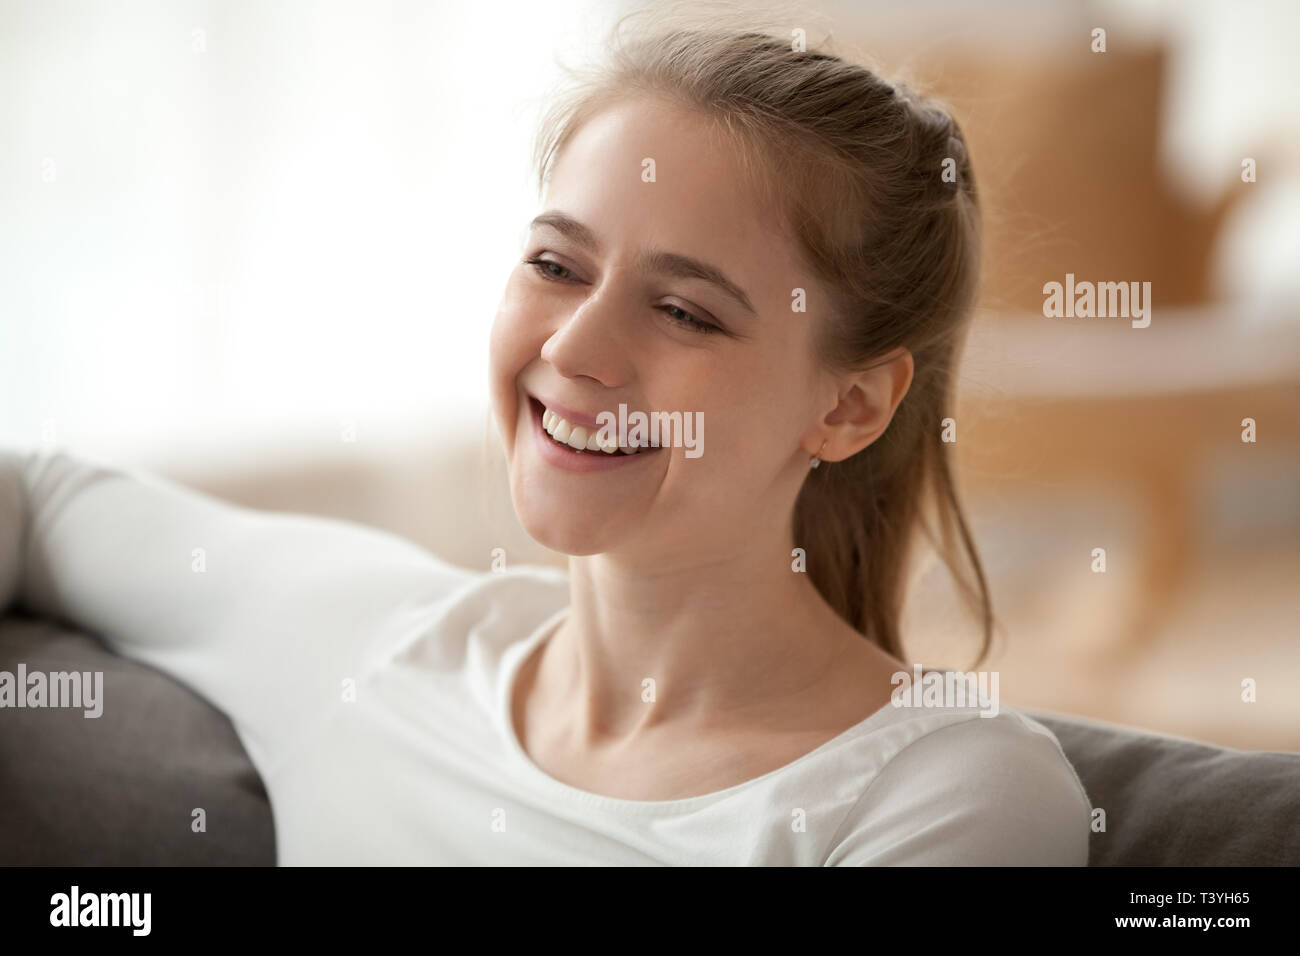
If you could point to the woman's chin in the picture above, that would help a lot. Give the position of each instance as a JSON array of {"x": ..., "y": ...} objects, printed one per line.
[
  {"x": 572, "y": 531},
  {"x": 566, "y": 540}
]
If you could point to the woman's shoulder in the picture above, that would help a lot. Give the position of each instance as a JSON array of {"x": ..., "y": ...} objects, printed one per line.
[
  {"x": 518, "y": 593},
  {"x": 974, "y": 729},
  {"x": 495, "y": 611},
  {"x": 966, "y": 786}
]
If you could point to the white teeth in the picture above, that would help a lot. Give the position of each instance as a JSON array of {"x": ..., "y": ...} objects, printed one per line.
[{"x": 579, "y": 437}]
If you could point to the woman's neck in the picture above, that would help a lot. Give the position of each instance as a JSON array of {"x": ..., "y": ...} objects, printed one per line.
[{"x": 732, "y": 641}]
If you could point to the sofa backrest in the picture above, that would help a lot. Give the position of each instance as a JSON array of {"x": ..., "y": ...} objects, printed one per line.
[
  {"x": 1170, "y": 801},
  {"x": 122, "y": 789}
]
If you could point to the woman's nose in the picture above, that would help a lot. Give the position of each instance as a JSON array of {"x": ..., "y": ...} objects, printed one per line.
[{"x": 590, "y": 341}]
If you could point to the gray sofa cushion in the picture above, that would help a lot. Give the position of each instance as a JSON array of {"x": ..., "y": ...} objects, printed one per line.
[
  {"x": 120, "y": 789},
  {"x": 1171, "y": 801}
]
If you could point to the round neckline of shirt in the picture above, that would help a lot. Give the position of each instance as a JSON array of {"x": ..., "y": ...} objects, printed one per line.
[{"x": 524, "y": 650}]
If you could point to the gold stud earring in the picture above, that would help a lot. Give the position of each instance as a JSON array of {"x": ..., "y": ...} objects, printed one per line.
[{"x": 816, "y": 459}]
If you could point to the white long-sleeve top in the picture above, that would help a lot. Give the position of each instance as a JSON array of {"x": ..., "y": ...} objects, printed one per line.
[{"x": 370, "y": 683}]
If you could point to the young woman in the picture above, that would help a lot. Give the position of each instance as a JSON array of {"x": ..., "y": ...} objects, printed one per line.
[{"x": 772, "y": 241}]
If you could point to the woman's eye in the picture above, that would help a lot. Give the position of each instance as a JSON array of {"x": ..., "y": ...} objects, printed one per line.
[
  {"x": 540, "y": 267},
  {"x": 689, "y": 321},
  {"x": 676, "y": 315}
]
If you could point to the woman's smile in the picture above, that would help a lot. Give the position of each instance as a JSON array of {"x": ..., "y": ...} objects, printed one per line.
[{"x": 562, "y": 455}]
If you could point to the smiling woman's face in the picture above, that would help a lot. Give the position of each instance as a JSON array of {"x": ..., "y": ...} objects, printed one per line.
[{"x": 593, "y": 329}]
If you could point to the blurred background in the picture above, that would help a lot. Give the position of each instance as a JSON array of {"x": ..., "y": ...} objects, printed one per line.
[{"x": 257, "y": 247}]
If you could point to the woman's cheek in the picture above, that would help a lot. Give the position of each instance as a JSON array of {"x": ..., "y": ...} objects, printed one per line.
[
  {"x": 504, "y": 367},
  {"x": 499, "y": 338},
  {"x": 509, "y": 340}
]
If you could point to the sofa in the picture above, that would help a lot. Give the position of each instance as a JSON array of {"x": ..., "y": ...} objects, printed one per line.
[{"x": 119, "y": 790}]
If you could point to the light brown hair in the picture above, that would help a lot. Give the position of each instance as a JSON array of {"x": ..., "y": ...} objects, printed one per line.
[{"x": 855, "y": 167}]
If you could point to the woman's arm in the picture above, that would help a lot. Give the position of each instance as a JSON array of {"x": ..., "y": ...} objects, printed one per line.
[{"x": 265, "y": 614}]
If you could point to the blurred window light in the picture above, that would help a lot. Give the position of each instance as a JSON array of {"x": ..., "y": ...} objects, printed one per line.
[{"x": 225, "y": 219}]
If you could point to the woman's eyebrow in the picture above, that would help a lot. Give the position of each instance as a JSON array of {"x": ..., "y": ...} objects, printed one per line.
[{"x": 652, "y": 261}]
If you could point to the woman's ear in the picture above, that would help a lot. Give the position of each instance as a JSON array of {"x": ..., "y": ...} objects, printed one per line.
[{"x": 868, "y": 400}]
